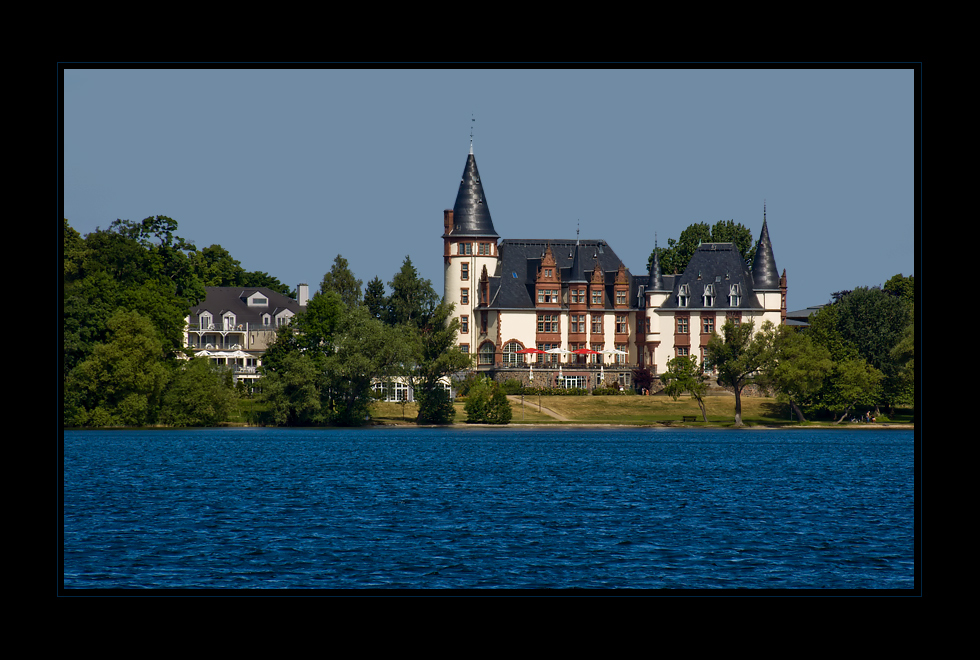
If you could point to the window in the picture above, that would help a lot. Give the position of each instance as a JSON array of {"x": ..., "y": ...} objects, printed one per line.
[
  {"x": 597, "y": 359},
  {"x": 511, "y": 357},
  {"x": 392, "y": 391},
  {"x": 484, "y": 248},
  {"x": 577, "y": 323},
  {"x": 682, "y": 351},
  {"x": 548, "y": 296},
  {"x": 682, "y": 325},
  {"x": 547, "y": 358},
  {"x": 709, "y": 295},
  {"x": 547, "y": 323},
  {"x": 487, "y": 350},
  {"x": 206, "y": 322},
  {"x": 464, "y": 271},
  {"x": 464, "y": 296},
  {"x": 578, "y": 295},
  {"x": 683, "y": 295},
  {"x": 483, "y": 322},
  {"x": 597, "y": 297},
  {"x": 466, "y": 248},
  {"x": 622, "y": 325},
  {"x": 620, "y": 297},
  {"x": 707, "y": 324},
  {"x": 597, "y": 324},
  {"x": 621, "y": 357},
  {"x": 464, "y": 324},
  {"x": 734, "y": 296},
  {"x": 548, "y": 272},
  {"x": 464, "y": 348}
]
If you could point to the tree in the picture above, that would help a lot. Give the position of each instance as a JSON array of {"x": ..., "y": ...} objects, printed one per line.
[
  {"x": 200, "y": 394},
  {"x": 486, "y": 403},
  {"x": 121, "y": 383},
  {"x": 413, "y": 301},
  {"x": 362, "y": 350},
  {"x": 866, "y": 324},
  {"x": 340, "y": 279},
  {"x": 293, "y": 391},
  {"x": 798, "y": 368},
  {"x": 738, "y": 356},
  {"x": 434, "y": 358},
  {"x": 677, "y": 254},
  {"x": 685, "y": 375},
  {"x": 375, "y": 298}
]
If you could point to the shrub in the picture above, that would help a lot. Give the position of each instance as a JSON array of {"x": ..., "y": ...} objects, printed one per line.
[{"x": 486, "y": 403}]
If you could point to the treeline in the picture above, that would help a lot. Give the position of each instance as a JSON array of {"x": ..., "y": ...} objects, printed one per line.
[
  {"x": 127, "y": 290},
  {"x": 321, "y": 369},
  {"x": 857, "y": 352}
]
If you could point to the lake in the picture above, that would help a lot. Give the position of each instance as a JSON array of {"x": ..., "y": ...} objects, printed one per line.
[{"x": 474, "y": 508}]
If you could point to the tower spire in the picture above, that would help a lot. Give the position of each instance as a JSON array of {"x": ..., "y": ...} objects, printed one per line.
[{"x": 764, "y": 272}]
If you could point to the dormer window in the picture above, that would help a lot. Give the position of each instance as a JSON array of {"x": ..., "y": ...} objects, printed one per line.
[
  {"x": 206, "y": 321},
  {"x": 229, "y": 321},
  {"x": 734, "y": 296},
  {"x": 266, "y": 320},
  {"x": 683, "y": 295},
  {"x": 709, "y": 295}
]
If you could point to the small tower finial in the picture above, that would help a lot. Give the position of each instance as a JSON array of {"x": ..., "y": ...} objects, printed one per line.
[
  {"x": 577, "y": 224},
  {"x": 472, "y": 121}
]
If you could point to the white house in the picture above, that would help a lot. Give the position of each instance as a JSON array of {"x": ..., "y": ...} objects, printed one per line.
[{"x": 559, "y": 296}]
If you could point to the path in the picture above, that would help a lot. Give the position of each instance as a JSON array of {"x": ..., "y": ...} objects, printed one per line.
[{"x": 515, "y": 399}]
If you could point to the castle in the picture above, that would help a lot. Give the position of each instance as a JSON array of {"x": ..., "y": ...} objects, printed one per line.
[{"x": 569, "y": 313}]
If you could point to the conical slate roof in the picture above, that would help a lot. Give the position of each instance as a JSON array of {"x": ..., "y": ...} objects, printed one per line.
[
  {"x": 764, "y": 273},
  {"x": 656, "y": 277},
  {"x": 471, "y": 215}
]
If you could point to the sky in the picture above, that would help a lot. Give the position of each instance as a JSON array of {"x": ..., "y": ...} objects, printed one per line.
[{"x": 287, "y": 168}]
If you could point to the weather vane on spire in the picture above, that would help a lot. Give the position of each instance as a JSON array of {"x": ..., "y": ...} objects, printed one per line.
[{"x": 472, "y": 121}]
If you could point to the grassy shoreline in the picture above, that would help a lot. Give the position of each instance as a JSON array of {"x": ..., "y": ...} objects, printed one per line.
[{"x": 639, "y": 411}]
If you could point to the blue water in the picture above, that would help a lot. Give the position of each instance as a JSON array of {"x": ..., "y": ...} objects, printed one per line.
[{"x": 483, "y": 509}]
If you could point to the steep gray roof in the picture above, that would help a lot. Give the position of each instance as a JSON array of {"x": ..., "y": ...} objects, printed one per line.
[
  {"x": 520, "y": 260},
  {"x": 221, "y": 299},
  {"x": 764, "y": 272},
  {"x": 719, "y": 265},
  {"x": 471, "y": 214}
]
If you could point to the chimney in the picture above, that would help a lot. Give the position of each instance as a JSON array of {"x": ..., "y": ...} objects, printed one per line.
[{"x": 302, "y": 294}]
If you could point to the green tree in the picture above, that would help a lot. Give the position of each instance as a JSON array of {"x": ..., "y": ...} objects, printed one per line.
[
  {"x": 200, "y": 394},
  {"x": 121, "y": 383},
  {"x": 675, "y": 257},
  {"x": 293, "y": 391},
  {"x": 854, "y": 383},
  {"x": 738, "y": 356},
  {"x": 798, "y": 368},
  {"x": 375, "y": 298},
  {"x": 362, "y": 350},
  {"x": 340, "y": 279},
  {"x": 486, "y": 403},
  {"x": 434, "y": 358},
  {"x": 413, "y": 301},
  {"x": 685, "y": 375}
]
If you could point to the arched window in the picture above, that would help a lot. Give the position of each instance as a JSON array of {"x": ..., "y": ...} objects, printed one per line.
[
  {"x": 487, "y": 350},
  {"x": 511, "y": 357}
]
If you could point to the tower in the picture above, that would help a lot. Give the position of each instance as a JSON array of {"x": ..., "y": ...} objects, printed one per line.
[
  {"x": 770, "y": 288},
  {"x": 469, "y": 251}
]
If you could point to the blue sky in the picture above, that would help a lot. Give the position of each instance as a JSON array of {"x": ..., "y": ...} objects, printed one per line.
[{"x": 288, "y": 168}]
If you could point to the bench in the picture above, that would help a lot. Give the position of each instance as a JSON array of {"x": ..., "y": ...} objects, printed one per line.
[{"x": 689, "y": 418}]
